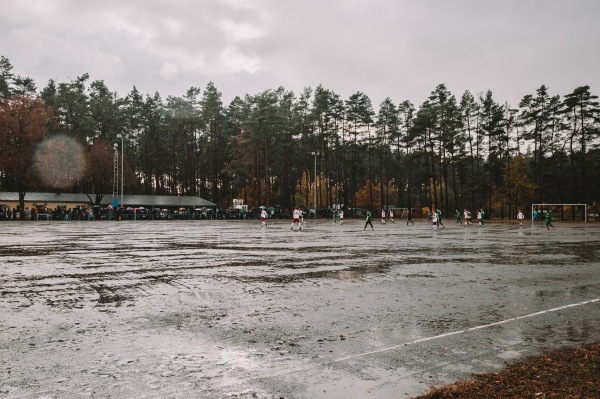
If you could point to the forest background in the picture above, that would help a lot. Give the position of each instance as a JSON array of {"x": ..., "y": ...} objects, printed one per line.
[{"x": 465, "y": 152}]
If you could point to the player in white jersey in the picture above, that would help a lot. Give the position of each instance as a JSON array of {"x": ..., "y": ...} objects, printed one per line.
[
  {"x": 391, "y": 215},
  {"x": 263, "y": 218},
  {"x": 382, "y": 216},
  {"x": 296, "y": 215},
  {"x": 520, "y": 217}
]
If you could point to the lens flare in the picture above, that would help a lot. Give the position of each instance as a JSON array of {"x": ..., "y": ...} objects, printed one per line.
[{"x": 59, "y": 162}]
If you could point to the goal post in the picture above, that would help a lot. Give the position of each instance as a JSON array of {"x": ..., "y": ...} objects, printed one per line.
[{"x": 577, "y": 211}]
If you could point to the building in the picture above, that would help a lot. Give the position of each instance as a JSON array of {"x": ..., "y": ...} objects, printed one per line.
[{"x": 70, "y": 201}]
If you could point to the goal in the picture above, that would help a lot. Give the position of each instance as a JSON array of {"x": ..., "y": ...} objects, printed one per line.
[{"x": 569, "y": 212}]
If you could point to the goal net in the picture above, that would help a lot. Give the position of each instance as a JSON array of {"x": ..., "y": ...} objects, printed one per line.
[{"x": 567, "y": 212}]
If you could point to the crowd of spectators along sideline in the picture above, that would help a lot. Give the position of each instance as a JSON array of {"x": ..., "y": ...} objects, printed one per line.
[
  {"x": 62, "y": 213},
  {"x": 42, "y": 213}
]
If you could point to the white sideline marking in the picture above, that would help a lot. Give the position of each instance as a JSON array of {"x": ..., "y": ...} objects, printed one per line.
[
  {"x": 343, "y": 359},
  {"x": 464, "y": 331}
]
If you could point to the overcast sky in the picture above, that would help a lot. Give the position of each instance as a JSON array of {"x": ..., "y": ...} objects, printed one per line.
[{"x": 383, "y": 48}]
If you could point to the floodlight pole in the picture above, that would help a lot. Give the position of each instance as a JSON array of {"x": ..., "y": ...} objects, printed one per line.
[
  {"x": 315, "y": 190},
  {"x": 116, "y": 173},
  {"x": 122, "y": 137}
]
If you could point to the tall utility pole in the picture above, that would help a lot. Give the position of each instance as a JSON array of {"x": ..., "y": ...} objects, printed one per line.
[
  {"x": 116, "y": 173},
  {"x": 122, "y": 137},
  {"x": 315, "y": 190}
]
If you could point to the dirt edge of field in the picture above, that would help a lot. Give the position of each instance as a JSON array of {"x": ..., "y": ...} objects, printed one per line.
[{"x": 571, "y": 372}]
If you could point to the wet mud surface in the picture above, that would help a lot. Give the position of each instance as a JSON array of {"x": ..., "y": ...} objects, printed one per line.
[{"x": 227, "y": 309}]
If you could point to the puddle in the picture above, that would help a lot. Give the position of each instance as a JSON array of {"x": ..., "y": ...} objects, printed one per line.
[{"x": 169, "y": 309}]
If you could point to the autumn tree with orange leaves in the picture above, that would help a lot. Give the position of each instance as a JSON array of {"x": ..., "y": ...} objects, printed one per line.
[
  {"x": 23, "y": 125},
  {"x": 364, "y": 195}
]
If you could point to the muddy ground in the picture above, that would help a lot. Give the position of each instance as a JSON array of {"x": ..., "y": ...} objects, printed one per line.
[{"x": 227, "y": 309}]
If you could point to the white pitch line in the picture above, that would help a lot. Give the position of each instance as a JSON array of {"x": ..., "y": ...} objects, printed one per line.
[
  {"x": 464, "y": 331},
  {"x": 389, "y": 348}
]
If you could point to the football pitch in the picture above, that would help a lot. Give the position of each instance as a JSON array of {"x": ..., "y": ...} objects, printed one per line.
[{"x": 229, "y": 309}]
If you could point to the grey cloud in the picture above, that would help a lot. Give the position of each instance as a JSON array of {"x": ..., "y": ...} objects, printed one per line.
[{"x": 400, "y": 49}]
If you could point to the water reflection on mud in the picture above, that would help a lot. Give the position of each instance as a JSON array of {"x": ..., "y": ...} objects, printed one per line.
[{"x": 227, "y": 309}]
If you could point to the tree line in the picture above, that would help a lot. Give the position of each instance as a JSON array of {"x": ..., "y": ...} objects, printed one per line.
[{"x": 450, "y": 152}]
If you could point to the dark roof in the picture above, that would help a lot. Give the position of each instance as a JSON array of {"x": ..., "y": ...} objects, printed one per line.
[
  {"x": 160, "y": 200},
  {"x": 129, "y": 200},
  {"x": 45, "y": 197}
]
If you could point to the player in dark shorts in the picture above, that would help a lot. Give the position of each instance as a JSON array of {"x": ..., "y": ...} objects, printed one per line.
[{"x": 368, "y": 221}]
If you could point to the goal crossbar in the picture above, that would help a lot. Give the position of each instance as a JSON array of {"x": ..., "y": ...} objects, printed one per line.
[{"x": 549, "y": 205}]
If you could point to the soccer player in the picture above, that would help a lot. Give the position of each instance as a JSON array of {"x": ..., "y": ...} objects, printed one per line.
[
  {"x": 434, "y": 220},
  {"x": 382, "y": 216},
  {"x": 549, "y": 221},
  {"x": 439, "y": 218},
  {"x": 520, "y": 217},
  {"x": 409, "y": 218},
  {"x": 263, "y": 218},
  {"x": 296, "y": 218},
  {"x": 341, "y": 216},
  {"x": 457, "y": 217},
  {"x": 392, "y": 215},
  {"x": 368, "y": 220}
]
